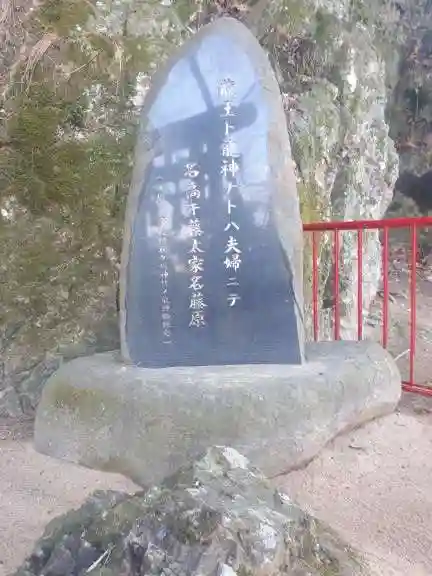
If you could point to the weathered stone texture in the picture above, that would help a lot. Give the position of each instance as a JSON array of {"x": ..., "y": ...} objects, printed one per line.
[
  {"x": 145, "y": 423},
  {"x": 218, "y": 516}
]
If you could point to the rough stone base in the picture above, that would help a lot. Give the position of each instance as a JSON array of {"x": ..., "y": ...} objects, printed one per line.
[
  {"x": 217, "y": 516},
  {"x": 145, "y": 424}
]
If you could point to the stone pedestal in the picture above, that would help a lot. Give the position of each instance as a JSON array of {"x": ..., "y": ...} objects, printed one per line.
[{"x": 146, "y": 423}]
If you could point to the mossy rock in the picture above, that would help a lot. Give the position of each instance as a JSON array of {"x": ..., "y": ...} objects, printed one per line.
[{"x": 223, "y": 516}]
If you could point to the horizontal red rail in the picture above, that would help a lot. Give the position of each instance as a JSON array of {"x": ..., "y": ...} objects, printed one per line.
[
  {"x": 352, "y": 225},
  {"x": 360, "y": 225}
]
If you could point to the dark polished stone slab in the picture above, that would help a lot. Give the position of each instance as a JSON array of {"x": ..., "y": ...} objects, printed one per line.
[{"x": 211, "y": 266}]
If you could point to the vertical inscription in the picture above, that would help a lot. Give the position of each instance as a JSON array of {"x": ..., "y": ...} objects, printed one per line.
[
  {"x": 163, "y": 273},
  {"x": 197, "y": 302},
  {"x": 229, "y": 169}
]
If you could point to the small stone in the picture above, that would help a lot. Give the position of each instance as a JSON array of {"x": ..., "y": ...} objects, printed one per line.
[
  {"x": 72, "y": 542},
  {"x": 86, "y": 556}
]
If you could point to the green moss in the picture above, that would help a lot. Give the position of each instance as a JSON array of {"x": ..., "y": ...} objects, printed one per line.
[
  {"x": 312, "y": 210},
  {"x": 45, "y": 169},
  {"x": 60, "y": 16},
  {"x": 324, "y": 24},
  {"x": 117, "y": 521},
  {"x": 243, "y": 571},
  {"x": 296, "y": 13},
  {"x": 90, "y": 404},
  {"x": 311, "y": 203}
]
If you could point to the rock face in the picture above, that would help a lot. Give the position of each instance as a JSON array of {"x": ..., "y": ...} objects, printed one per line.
[
  {"x": 218, "y": 516},
  {"x": 146, "y": 423},
  {"x": 410, "y": 119},
  {"x": 28, "y": 368},
  {"x": 410, "y": 111},
  {"x": 335, "y": 73}
]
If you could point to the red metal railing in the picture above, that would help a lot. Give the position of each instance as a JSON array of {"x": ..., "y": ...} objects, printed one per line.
[{"x": 359, "y": 226}]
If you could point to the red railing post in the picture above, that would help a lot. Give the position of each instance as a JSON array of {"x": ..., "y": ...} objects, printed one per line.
[
  {"x": 385, "y": 286},
  {"x": 413, "y": 303},
  {"x": 315, "y": 285},
  {"x": 336, "y": 285},
  {"x": 360, "y": 284}
]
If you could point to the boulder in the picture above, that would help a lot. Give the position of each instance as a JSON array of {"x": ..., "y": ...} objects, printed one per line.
[
  {"x": 218, "y": 516},
  {"x": 146, "y": 423}
]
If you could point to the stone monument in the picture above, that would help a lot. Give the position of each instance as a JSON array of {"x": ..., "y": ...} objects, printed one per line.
[
  {"x": 211, "y": 302},
  {"x": 213, "y": 230}
]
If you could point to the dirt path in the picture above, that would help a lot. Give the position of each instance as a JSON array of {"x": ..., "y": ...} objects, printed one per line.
[{"x": 372, "y": 485}]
